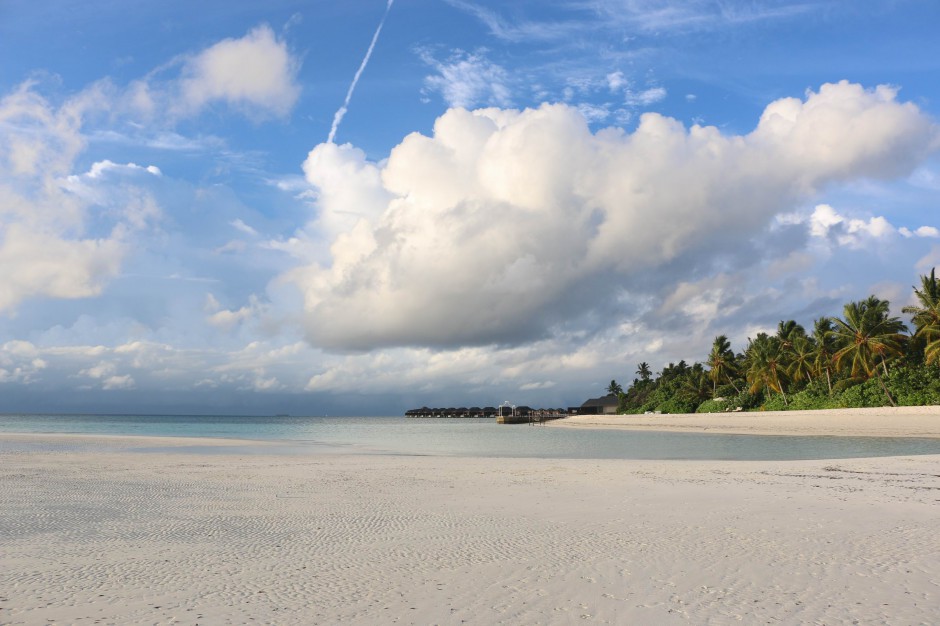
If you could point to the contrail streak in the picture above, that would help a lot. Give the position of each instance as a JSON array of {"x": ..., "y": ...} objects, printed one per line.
[{"x": 338, "y": 116}]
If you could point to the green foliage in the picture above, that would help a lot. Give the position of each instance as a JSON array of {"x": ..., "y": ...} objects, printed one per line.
[
  {"x": 774, "y": 403},
  {"x": 636, "y": 396},
  {"x": 676, "y": 405},
  {"x": 915, "y": 385},
  {"x": 926, "y": 316},
  {"x": 766, "y": 365},
  {"x": 814, "y": 396},
  {"x": 865, "y": 395},
  {"x": 865, "y": 359},
  {"x": 713, "y": 406},
  {"x": 680, "y": 388},
  {"x": 743, "y": 401}
]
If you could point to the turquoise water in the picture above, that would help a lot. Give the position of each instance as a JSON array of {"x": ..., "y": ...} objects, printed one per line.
[{"x": 460, "y": 437}]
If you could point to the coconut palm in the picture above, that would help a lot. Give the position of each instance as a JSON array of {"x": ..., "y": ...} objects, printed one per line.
[
  {"x": 926, "y": 317},
  {"x": 766, "y": 365},
  {"x": 694, "y": 385},
  {"x": 614, "y": 388},
  {"x": 721, "y": 362},
  {"x": 825, "y": 348},
  {"x": 801, "y": 357},
  {"x": 868, "y": 336},
  {"x": 788, "y": 332},
  {"x": 644, "y": 371}
]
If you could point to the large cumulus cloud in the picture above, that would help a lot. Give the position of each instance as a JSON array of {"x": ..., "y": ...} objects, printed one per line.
[{"x": 503, "y": 223}]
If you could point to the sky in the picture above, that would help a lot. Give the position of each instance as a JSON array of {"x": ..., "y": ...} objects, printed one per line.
[{"x": 318, "y": 207}]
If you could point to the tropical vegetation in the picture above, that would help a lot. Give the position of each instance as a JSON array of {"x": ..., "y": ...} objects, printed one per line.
[{"x": 863, "y": 358}]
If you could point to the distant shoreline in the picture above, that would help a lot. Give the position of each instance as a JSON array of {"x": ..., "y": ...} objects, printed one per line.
[{"x": 910, "y": 421}]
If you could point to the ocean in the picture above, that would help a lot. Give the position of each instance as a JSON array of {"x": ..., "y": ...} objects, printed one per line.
[{"x": 455, "y": 437}]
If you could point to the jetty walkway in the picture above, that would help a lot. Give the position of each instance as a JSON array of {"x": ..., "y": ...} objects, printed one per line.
[{"x": 503, "y": 414}]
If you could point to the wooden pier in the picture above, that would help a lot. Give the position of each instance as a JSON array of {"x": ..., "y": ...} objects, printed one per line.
[{"x": 503, "y": 414}]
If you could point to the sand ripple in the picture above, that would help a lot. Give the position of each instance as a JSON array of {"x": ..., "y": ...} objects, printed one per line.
[{"x": 118, "y": 538}]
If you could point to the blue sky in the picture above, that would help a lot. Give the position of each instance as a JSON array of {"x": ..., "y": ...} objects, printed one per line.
[{"x": 523, "y": 200}]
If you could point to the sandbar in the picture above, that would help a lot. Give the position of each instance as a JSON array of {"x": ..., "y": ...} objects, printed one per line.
[
  {"x": 918, "y": 421},
  {"x": 103, "y": 533}
]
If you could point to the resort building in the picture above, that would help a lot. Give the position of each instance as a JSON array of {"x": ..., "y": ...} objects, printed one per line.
[{"x": 606, "y": 405}]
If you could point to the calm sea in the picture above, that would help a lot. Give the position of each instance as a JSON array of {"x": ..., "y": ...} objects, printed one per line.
[{"x": 457, "y": 437}]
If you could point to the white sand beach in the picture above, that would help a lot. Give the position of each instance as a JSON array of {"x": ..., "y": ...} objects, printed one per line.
[
  {"x": 910, "y": 421},
  {"x": 102, "y": 534}
]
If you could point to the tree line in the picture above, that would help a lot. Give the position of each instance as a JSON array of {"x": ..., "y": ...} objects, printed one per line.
[{"x": 865, "y": 358}]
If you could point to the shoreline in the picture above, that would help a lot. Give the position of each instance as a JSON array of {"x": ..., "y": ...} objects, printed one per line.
[{"x": 921, "y": 421}]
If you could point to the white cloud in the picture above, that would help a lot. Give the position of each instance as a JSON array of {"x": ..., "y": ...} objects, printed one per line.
[
  {"x": 545, "y": 384},
  {"x": 255, "y": 72},
  {"x": 99, "y": 370},
  {"x": 261, "y": 383},
  {"x": 468, "y": 79},
  {"x": 683, "y": 16},
  {"x": 853, "y": 232},
  {"x": 616, "y": 81},
  {"x": 646, "y": 97},
  {"x": 350, "y": 187},
  {"x": 100, "y": 168},
  {"x": 120, "y": 189},
  {"x": 42, "y": 264},
  {"x": 226, "y": 319},
  {"x": 929, "y": 260},
  {"x": 241, "y": 226},
  {"x": 923, "y": 231},
  {"x": 105, "y": 373},
  {"x": 593, "y": 112},
  {"x": 20, "y": 362},
  {"x": 149, "y": 365},
  {"x": 518, "y": 30},
  {"x": 43, "y": 217},
  {"x": 118, "y": 382},
  {"x": 703, "y": 301},
  {"x": 505, "y": 223}
]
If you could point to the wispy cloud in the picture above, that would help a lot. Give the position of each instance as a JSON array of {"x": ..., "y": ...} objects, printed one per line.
[
  {"x": 646, "y": 17},
  {"x": 468, "y": 79},
  {"x": 682, "y": 16},
  {"x": 520, "y": 29}
]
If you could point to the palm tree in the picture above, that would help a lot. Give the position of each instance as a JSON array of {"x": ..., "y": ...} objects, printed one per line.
[
  {"x": 825, "y": 348},
  {"x": 926, "y": 317},
  {"x": 721, "y": 362},
  {"x": 694, "y": 385},
  {"x": 766, "y": 361},
  {"x": 868, "y": 334},
  {"x": 801, "y": 355},
  {"x": 643, "y": 369},
  {"x": 614, "y": 388},
  {"x": 787, "y": 333}
]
